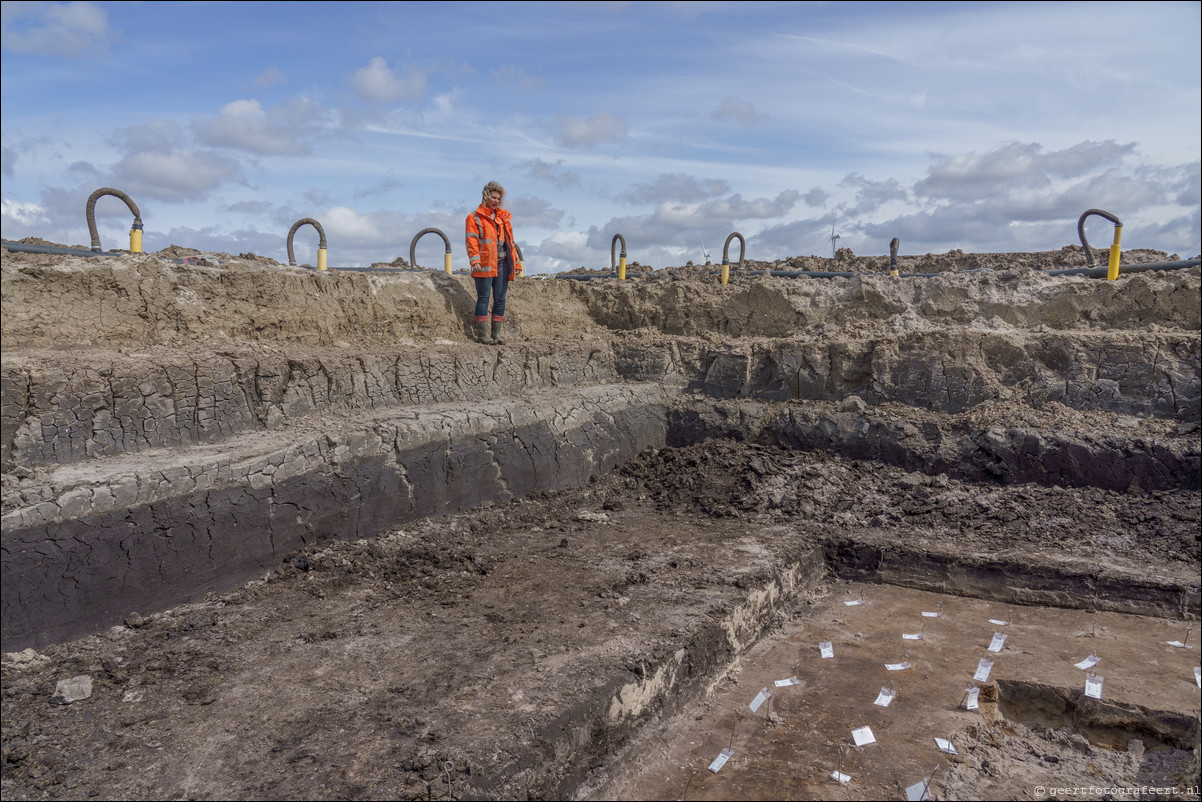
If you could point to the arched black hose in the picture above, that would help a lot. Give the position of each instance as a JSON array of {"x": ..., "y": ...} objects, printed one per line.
[
  {"x": 612, "y": 243},
  {"x": 321, "y": 236},
  {"x": 420, "y": 234},
  {"x": 1081, "y": 231},
  {"x": 90, "y": 212},
  {"x": 742, "y": 249}
]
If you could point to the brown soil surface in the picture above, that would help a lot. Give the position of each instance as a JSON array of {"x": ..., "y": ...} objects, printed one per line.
[{"x": 598, "y": 641}]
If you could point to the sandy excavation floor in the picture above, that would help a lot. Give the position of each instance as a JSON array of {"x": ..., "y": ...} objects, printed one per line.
[{"x": 604, "y": 640}]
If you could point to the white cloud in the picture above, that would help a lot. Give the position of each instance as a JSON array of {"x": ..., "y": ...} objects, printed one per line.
[
  {"x": 737, "y": 110},
  {"x": 379, "y": 83},
  {"x": 553, "y": 174},
  {"x": 571, "y": 247},
  {"x": 21, "y": 213},
  {"x": 534, "y": 212},
  {"x": 350, "y": 225},
  {"x": 603, "y": 127},
  {"x": 272, "y": 76},
  {"x": 280, "y": 131},
  {"x": 678, "y": 224},
  {"x": 816, "y": 197},
  {"x": 176, "y": 176},
  {"x": 674, "y": 188},
  {"x": 1015, "y": 165},
  {"x": 66, "y": 30}
]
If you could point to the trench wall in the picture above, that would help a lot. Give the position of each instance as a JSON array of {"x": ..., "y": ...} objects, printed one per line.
[
  {"x": 59, "y": 412},
  {"x": 145, "y": 537}
]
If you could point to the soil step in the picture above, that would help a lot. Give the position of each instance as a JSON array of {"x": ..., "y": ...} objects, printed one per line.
[{"x": 90, "y": 542}]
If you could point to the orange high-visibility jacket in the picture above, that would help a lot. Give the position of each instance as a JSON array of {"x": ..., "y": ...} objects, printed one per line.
[{"x": 484, "y": 229}]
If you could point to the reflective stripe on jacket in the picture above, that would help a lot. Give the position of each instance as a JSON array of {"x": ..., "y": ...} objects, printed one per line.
[{"x": 484, "y": 230}]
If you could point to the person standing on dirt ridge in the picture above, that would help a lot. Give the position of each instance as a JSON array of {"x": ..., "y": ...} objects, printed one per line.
[{"x": 494, "y": 256}]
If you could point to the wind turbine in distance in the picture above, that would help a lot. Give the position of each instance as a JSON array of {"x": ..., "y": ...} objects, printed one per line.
[
  {"x": 705, "y": 253},
  {"x": 834, "y": 240}
]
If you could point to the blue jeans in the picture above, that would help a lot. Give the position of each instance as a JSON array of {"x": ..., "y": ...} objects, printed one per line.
[{"x": 495, "y": 286}]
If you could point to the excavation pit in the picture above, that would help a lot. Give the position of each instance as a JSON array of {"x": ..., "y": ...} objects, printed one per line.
[
  {"x": 334, "y": 549},
  {"x": 1032, "y": 725},
  {"x": 515, "y": 649}
]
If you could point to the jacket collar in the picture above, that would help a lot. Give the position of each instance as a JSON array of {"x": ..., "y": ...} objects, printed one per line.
[{"x": 501, "y": 214}]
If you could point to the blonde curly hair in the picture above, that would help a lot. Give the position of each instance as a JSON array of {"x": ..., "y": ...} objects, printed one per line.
[{"x": 490, "y": 188}]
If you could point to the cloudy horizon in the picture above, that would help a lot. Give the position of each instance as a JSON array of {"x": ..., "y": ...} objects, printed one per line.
[{"x": 988, "y": 127}]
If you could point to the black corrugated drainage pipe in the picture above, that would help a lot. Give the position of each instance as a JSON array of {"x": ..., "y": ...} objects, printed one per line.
[
  {"x": 135, "y": 231},
  {"x": 446, "y": 259},
  {"x": 25, "y": 247},
  {"x": 321, "y": 242}
]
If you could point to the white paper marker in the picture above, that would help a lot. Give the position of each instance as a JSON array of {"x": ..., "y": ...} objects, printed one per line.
[
  {"x": 854, "y": 602},
  {"x": 917, "y": 791},
  {"x": 915, "y": 636},
  {"x": 1198, "y": 675},
  {"x": 1177, "y": 643},
  {"x": 946, "y": 746},
  {"x": 784, "y": 683},
  {"x": 885, "y": 697},
  {"x": 863, "y": 736},
  {"x": 972, "y": 700},
  {"x": 1089, "y": 662},
  {"x": 983, "y": 669},
  {"x": 840, "y": 777},
  {"x": 902, "y": 666},
  {"x": 1093, "y": 685},
  {"x": 826, "y": 649},
  {"x": 761, "y": 697},
  {"x": 997, "y": 623},
  {"x": 999, "y": 640},
  {"x": 720, "y": 760}
]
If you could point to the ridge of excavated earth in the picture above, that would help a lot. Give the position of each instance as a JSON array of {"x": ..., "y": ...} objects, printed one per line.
[{"x": 308, "y": 540}]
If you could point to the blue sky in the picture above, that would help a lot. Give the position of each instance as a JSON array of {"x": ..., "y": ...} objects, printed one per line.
[{"x": 981, "y": 126}]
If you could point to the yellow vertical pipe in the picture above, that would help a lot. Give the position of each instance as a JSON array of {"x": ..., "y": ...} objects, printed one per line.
[
  {"x": 622, "y": 268},
  {"x": 446, "y": 263},
  {"x": 725, "y": 272},
  {"x": 135, "y": 239},
  {"x": 1112, "y": 272},
  {"x": 321, "y": 258}
]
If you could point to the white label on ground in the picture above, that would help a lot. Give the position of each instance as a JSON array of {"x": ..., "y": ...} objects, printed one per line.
[
  {"x": 1177, "y": 643},
  {"x": 761, "y": 697},
  {"x": 840, "y": 777},
  {"x": 999, "y": 640},
  {"x": 972, "y": 701},
  {"x": 854, "y": 602},
  {"x": 885, "y": 697},
  {"x": 784, "y": 683},
  {"x": 983, "y": 669},
  {"x": 997, "y": 623},
  {"x": 1093, "y": 686},
  {"x": 912, "y": 637},
  {"x": 720, "y": 760},
  {"x": 931, "y": 615},
  {"x": 863, "y": 736},
  {"x": 946, "y": 746},
  {"x": 917, "y": 791},
  {"x": 1198, "y": 675},
  {"x": 1088, "y": 662},
  {"x": 898, "y": 666},
  {"x": 826, "y": 649}
]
